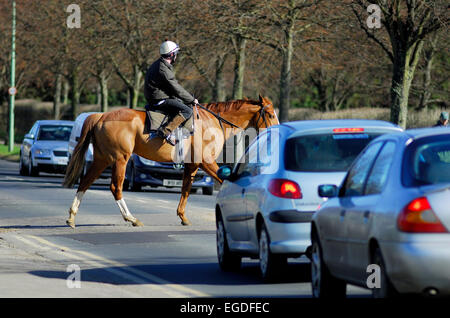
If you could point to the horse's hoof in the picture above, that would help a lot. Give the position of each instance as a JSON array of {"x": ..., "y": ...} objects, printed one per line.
[
  {"x": 186, "y": 222},
  {"x": 70, "y": 223},
  {"x": 138, "y": 223}
]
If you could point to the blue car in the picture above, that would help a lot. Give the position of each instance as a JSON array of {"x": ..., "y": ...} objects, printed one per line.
[
  {"x": 266, "y": 203},
  {"x": 143, "y": 172}
]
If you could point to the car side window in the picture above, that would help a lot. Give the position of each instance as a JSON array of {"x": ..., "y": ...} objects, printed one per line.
[
  {"x": 248, "y": 161},
  {"x": 357, "y": 175},
  {"x": 378, "y": 176},
  {"x": 33, "y": 130}
]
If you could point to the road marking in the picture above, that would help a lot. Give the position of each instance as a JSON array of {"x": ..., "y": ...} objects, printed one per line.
[{"x": 136, "y": 275}]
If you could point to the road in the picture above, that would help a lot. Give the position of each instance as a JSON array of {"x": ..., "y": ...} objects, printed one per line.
[{"x": 42, "y": 257}]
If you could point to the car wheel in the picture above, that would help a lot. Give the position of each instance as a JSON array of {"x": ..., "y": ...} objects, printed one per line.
[
  {"x": 386, "y": 290},
  {"x": 23, "y": 171},
  {"x": 207, "y": 190},
  {"x": 134, "y": 186},
  {"x": 269, "y": 263},
  {"x": 323, "y": 284},
  {"x": 228, "y": 261},
  {"x": 32, "y": 171}
]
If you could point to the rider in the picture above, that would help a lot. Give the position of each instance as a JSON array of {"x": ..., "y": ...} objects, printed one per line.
[{"x": 163, "y": 92}]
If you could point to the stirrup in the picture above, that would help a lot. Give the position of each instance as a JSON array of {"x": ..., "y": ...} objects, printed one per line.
[{"x": 171, "y": 139}]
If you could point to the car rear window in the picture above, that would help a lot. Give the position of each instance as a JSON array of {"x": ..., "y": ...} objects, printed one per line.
[
  {"x": 429, "y": 162},
  {"x": 325, "y": 152},
  {"x": 60, "y": 133}
]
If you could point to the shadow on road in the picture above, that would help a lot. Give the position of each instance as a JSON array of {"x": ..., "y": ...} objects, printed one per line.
[{"x": 186, "y": 274}]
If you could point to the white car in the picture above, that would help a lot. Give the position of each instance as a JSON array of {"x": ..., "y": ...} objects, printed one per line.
[{"x": 44, "y": 147}]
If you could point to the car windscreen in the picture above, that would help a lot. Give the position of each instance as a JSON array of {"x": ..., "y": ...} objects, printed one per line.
[
  {"x": 325, "y": 152},
  {"x": 53, "y": 132},
  {"x": 428, "y": 162}
]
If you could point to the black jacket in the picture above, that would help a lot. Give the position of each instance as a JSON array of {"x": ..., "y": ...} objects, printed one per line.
[{"x": 160, "y": 83}]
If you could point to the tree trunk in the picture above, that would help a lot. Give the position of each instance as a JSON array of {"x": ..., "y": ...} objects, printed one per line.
[
  {"x": 239, "y": 66},
  {"x": 135, "y": 87},
  {"x": 103, "y": 81},
  {"x": 66, "y": 89},
  {"x": 57, "y": 97},
  {"x": 405, "y": 62},
  {"x": 426, "y": 92},
  {"x": 75, "y": 94},
  {"x": 285, "y": 77},
  {"x": 219, "y": 94}
]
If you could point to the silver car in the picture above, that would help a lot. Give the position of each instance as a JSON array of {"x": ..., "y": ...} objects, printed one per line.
[
  {"x": 392, "y": 211},
  {"x": 44, "y": 148},
  {"x": 265, "y": 205}
]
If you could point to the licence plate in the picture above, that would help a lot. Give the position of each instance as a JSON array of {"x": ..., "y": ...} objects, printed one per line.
[{"x": 172, "y": 183}]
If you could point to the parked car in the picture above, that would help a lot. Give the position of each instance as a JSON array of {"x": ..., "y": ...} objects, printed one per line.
[
  {"x": 73, "y": 140},
  {"x": 44, "y": 148},
  {"x": 267, "y": 200},
  {"x": 392, "y": 210},
  {"x": 142, "y": 172}
]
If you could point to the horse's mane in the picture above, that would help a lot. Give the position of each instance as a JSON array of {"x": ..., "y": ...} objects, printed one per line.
[{"x": 230, "y": 105}]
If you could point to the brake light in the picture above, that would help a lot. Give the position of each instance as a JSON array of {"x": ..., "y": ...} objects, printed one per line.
[
  {"x": 284, "y": 188},
  {"x": 347, "y": 130},
  {"x": 418, "y": 217}
]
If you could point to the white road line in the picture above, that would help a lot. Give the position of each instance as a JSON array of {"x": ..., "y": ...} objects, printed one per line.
[{"x": 173, "y": 290}]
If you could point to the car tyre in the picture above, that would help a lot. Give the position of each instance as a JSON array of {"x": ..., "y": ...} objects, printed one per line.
[
  {"x": 386, "y": 290},
  {"x": 134, "y": 186},
  {"x": 324, "y": 285},
  {"x": 32, "y": 171},
  {"x": 207, "y": 190},
  {"x": 23, "y": 171},
  {"x": 269, "y": 263},
  {"x": 228, "y": 261}
]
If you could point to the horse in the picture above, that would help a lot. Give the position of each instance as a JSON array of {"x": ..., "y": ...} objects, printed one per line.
[{"x": 117, "y": 134}]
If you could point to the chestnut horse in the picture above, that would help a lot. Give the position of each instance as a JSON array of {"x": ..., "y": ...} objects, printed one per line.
[{"x": 117, "y": 134}]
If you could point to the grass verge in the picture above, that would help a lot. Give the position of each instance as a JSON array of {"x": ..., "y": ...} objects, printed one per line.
[{"x": 11, "y": 156}]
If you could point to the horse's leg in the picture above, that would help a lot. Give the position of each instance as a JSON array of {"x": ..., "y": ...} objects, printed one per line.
[
  {"x": 118, "y": 175},
  {"x": 93, "y": 173},
  {"x": 211, "y": 169},
  {"x": 190, "y": 169}
]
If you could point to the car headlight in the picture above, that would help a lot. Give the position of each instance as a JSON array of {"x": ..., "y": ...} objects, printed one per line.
[
  {"x": 42, "y": 152},
  {"x": 147, "y": 161}
]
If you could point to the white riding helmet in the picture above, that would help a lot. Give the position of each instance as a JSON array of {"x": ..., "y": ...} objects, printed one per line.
[{"x": 168, "y": 47}]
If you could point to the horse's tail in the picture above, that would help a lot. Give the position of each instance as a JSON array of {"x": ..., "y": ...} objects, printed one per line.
[{"x": 77, "y": 159}]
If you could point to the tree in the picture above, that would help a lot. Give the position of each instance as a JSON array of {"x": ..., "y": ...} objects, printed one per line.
[{"x": 407, "y": 24}]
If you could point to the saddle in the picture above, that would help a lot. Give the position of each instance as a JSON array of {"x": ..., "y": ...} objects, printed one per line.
[{"x": 156, "y": 119}]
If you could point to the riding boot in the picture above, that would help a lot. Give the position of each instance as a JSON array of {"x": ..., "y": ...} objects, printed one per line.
[{"x": 168, "y": 129}]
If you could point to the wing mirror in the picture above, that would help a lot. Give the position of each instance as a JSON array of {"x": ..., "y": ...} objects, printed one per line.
[
  {"x": 328, "y": 191},
  {"x": 29, "y": 136},
  {"x": 224, "y": 172}
]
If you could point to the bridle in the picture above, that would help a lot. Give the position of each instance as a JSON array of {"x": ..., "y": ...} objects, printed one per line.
[{"x": 261, "y": 114}]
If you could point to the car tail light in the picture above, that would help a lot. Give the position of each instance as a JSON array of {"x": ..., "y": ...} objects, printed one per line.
[
  {"x": 284, "y": 188},
  {"x": 418, "y": 217},
  {"x": 347, "y": 130}
]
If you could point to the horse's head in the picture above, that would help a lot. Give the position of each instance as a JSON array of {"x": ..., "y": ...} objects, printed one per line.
[{"x": 264, "y": 116}]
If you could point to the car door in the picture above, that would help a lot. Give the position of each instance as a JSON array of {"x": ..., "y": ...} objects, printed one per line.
[
  {"x": 28, "y": 142},
  {"x": 266, "y": 162},
  {"x": 335, "y": 229},
  {"x": 359, "y": 217},
  {"x": 234, "y": 208}
]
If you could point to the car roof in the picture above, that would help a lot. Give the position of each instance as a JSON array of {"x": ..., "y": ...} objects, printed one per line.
[
  {"x": 418, "y": 133},
  {"x": 337, "y": 123},
  {"x": 313, "y": 126},
  {"x": 56, "y": 122}
]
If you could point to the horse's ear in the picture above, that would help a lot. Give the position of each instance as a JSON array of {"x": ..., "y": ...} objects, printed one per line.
[{"x": 261, "y": 99}]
